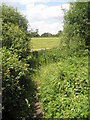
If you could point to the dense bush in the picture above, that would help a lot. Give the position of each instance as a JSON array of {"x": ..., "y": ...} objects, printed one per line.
[
  {"x": 11, "y": 15},
  {"x": 15, "y": 37},
  {"x": 16, "y": 40},
  {"x": 17, "y": 86},
  {"x": 15, "y": 82}
]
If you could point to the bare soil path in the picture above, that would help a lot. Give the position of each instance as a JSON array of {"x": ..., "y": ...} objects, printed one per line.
[{"x": 37, "y": 111}]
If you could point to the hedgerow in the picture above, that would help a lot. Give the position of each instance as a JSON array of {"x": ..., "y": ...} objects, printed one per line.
[{"x": 17, "y": 86}]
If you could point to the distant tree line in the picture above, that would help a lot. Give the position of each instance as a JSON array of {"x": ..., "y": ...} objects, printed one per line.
[{"x": 46, "y": 34}]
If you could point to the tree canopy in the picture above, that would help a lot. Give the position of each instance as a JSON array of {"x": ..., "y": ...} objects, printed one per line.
[{"x": 76, "y": 21}]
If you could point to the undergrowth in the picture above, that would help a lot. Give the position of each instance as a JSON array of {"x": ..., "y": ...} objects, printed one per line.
[{"x": 64, "y": 85}]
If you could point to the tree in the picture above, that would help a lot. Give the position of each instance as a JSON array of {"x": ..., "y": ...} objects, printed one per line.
[
  {"x": 59, "y": 32},
  {"x": 34, "y": 33},
  {"x": 46, "y": 35},
  {"x": 76, "y": 22}
]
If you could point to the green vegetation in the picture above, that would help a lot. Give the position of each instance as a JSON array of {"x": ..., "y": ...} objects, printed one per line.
[
  {"x": 51, "y": 35},
  {"x": 46, "y": 34},
  {"x": 76, "y": 23},
  {"x": 44, "y": 43},
  {"x": 63, "y": 74},
  {"x": 58, "y": 65},
  {"x": 34, "y": 33},
  {"x": 17, "y": 86},
  {"x": 64, "y": 87}
]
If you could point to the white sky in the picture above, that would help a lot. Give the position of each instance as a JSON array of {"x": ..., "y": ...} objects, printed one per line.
[{"x": 44, "y": 15}]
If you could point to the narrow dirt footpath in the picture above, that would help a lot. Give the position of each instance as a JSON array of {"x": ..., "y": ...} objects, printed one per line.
[{"x": 37, "y": 112}]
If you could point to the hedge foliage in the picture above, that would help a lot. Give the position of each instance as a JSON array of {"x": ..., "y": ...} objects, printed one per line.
[
  {"x": 76, "y": 23},
  {"x": 17, "y": 86}
]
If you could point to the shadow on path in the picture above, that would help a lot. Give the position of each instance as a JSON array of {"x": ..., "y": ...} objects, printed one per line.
[{"x": 37, "y": 110}]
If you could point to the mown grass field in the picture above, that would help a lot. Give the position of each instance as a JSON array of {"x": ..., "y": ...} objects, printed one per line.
[{"x": 44, "y": 43}]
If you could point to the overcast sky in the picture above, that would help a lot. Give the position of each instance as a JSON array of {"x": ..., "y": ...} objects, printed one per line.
[{"x": 44, "y": 15}]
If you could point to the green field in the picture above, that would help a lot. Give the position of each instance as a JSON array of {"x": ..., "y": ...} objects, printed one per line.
[{"x": 44, "y": 43}]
